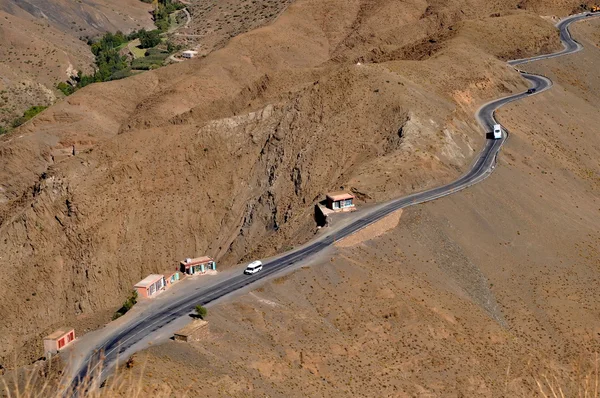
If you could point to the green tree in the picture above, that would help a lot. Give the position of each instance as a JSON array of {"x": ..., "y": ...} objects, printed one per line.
[
  {"x": 201, "y": 312},
  {"x": 65, "y": 88},
  {"x": 149, "y": 39},
  {"x": 109, "y": 60},
  {"x": 161, "y": 13}
]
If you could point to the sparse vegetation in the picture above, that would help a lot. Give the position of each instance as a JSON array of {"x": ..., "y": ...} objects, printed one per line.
[
  {"x": 109, "y": 62},
  {"x": 127, "y": 305},
  {"x": 172, "y": 47},
  {"x": 111, "y": 65},
  {"x": 28, "y": 115},
  {"x": 65, "y": 88},
  {"x": 201, "y": 312},
  {"x": 48, "y": 381},
  {"x": 583, "y": 381}
]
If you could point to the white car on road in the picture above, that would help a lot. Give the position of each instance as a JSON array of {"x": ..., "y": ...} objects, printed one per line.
[
  {"x": 497, "y": 131},
  {"x": 253, "y": 267}
]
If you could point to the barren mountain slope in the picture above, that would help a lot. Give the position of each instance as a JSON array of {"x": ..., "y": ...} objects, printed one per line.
[
  {"x": 212, "y": 24},
  {"x": 227, "y": 155},
  {"x": 83, "y": 18},
  {"x": 40, "y": 45},
  {"x": 480, "y": 294}
]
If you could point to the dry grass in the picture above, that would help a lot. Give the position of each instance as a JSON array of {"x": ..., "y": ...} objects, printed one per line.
[
  {"x": 581, "y": 382},
  {"x": 48, "y": 381}
]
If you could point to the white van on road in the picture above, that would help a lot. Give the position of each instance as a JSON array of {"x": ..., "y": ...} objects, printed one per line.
[
  {"x": 253, "y": 267},
  {"x": 497, "y": 131}
]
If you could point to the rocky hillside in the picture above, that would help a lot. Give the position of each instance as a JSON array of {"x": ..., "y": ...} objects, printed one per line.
[
  {"x": 227, "y": 155},
  {"x": 492, "y": 292},
  {"x": 42, "y": 43}
]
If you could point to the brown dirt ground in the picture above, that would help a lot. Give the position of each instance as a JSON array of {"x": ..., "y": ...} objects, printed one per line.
[
  {"x": 36, "y": 53},
  {"x": 213, "y": 24},
  {"x": 478, "y": 294},
  {"x": 371, "y": 231},
  {"x": 227, "y": 155}
]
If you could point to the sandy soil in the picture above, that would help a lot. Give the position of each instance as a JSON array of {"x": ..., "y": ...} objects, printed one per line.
[
  {"x": 227, "y": 155},
  {"x": 478, "y": 294}
]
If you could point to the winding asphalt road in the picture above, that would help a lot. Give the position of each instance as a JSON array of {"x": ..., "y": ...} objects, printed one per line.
[{"x": 121, "y": 341}]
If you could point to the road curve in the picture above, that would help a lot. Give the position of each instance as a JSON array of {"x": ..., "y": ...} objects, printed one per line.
[{"x": 118, "y": 344}]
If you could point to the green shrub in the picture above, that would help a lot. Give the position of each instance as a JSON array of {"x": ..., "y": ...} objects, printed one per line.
[
  {"x": 65, "y": 88},
  {"x": 17, "y": 122},
  {"x": 108, "y": 42},
  {"x": 122, "y": 74},
  {"x": 127, "y": 305},
  {"x": 33, "y": 111},
  {"x": 28, "y": 115},
  {"x": 108, "y": 59},
  {"x": 201, "y": 312},
  {"x": 172, "y": 47}
]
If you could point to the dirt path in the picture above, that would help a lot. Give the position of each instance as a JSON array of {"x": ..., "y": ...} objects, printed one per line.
[
  {"x": 135, "y": 50},
  {"x": 173, "y": 58},
  {"x": 189, "y": 17}
]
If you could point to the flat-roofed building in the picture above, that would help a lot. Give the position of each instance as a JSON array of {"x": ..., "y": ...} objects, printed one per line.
[
  {"x": 189, "y": 54},
  {"x": 200, "y": 265},
  {"x": 150, "y": 285},
  {"x": 171, "y": 277},
  {"x": 195, "y": 331},
  {"x": 340, "y": 201},
  {"x": 58, "y": 340}
]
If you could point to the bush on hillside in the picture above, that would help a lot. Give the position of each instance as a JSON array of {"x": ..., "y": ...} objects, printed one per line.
[
  {"x": 65, "y": 88},
  {"x": 172, "y": 47},
  {"x": 28, "y": 115},
  {"x": 122, "y": 74},
  {"x": 127, "y": 305}
]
